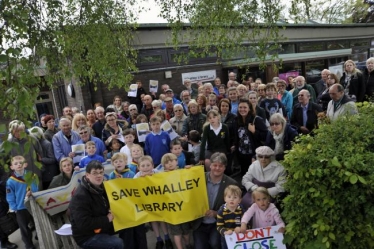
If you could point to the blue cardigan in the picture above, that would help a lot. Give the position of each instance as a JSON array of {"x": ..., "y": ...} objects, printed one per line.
[{"x": 61, "y": 145}]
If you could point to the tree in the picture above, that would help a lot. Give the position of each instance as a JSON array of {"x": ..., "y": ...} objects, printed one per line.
[{"x": 331, "y": 185}]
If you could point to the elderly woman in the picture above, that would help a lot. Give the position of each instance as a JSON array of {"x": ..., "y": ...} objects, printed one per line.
[
  {"x": 251, "y": 131},
  {"x": 285, "y": 97},
  {"x": 66, "y": 169},
  {"x": 178, "y": 119},
  {"x": 261, "y": 92},
  {"x": 264, "y": 172},
  {"x": 112, "y": 129},
  {"x": 50, "y": 168},
  {"x": 353, "y": 81},
  {"x": 195, "y": 119},
  {"x": 78, "y": 120},
  {"x": 280, "y": 136},
  {"x": 51, "y": 128},
  {"x": 26, "y": 146},
  {"x": 125, "y": 107}
]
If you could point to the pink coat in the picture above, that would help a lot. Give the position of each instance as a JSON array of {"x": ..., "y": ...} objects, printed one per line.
[{"x": 269, "y": 217}]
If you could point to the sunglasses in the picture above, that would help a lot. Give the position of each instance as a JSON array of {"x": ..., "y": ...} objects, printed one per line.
[
  {"x": 263, "y": 157},
  {"x": 272, "y": 124}
]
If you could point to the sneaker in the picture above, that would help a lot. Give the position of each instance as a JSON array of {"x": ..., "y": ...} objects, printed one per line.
[
  {"x": 8, "y": 245},
  {"x": 168, "y": 244},
  {"x": 159, "y": 245}
]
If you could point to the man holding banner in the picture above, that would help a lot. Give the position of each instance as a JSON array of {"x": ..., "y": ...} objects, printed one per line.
[
  {"x": 206, "y": 235},
  {"x": 91, "y": 218}
]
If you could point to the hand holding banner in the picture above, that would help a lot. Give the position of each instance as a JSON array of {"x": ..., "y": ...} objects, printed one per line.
[{"x": 174, "y": 197}]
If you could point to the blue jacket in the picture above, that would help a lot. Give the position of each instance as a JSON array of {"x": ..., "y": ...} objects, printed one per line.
[
  {"x": 100, "y": 146},
  {"x": 16, "y": 189},
  {"x": 62, "y": 146},
  {"x": 157, "y": 145},
  {"x": 126, "y": 173},
  {"x": 85, "y": 160},
  {"x": 287, "y": 101}
]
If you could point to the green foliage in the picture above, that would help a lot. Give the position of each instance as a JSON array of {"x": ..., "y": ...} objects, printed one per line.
[{"x": 330, "y": 181}]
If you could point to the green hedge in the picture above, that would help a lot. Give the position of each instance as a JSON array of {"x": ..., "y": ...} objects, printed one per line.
[{"x": 331, "y": 176}]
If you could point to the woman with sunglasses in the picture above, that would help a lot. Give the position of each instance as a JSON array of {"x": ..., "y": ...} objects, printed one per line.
[
  {"x": 251, "y": 130},
  {"x": 280, "y": 136},
  {"x": 264, "y": 172}
]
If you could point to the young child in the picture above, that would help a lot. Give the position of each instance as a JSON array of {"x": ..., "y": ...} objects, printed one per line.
[
  {"x": 181, "y": 231},
  {"x": 136, "y": 153},
  {"x": 129, "y": 136},
  {"x": 17, "y": 189},
  {"x": 263, "y": 212},
  {"x": 115, "y": 147},
  {"x": 212, "y": 99},
  {"x": 216, "y": 138},
  {"x": 146, "y": 168},
  {"x": 134, "y": 237},
  {"x": 90, "y": 150},
  {"x": 234, "y": 100},
  {"x": 194, "y": 140},
  {"x": 157, "y": 143},
  {"x": 185, "y": 159},
  {"x": 270, "y": 104},
  {"x": 119, "y": 161},
  {"x": 230, "y": 213}
]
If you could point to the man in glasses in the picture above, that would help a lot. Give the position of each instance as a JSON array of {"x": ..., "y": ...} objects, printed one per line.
[
  {"x": 305, "y": 113},
  {"x": 300, "y": 84},
  {"x": 85, "y": 135},
  {"x": 340, "y": 104},
  {"x": 92, "y": 225}
]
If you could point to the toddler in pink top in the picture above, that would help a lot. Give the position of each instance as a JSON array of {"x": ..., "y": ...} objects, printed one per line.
[{"x": 264, "y": 213}]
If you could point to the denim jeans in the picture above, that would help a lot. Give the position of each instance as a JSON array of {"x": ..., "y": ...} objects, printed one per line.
[
  {"x": 103, "y": 241},
  {"x": 207, "y": 236}
]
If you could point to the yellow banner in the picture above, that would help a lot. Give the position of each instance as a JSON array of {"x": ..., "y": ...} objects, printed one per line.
[{"x": 174, "y": 197}]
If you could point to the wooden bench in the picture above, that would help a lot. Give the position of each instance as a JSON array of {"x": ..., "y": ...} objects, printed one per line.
[{"x": 46, "y": 225}]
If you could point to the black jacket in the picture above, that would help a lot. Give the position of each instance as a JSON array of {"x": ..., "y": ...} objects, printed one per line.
[
  {"x": 356, "y": 86},
  {"x": 230, "y": 120},
  {"x": 89, "y": 208},
  {"x": 369, "y": 83},
  {"x": 312, "y": 121},
  {"x": 289, "y": 137}
]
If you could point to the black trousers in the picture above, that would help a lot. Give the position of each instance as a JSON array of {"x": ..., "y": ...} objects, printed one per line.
[
  {"x": 134, "y": 237},
  {"x": 23, "y": 220}
]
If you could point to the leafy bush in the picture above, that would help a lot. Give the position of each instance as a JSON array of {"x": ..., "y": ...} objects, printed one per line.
[{"x": 330, "y": 182}]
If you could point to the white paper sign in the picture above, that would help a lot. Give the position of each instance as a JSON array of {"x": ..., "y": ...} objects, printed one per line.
[
  {"x": 153, "y": 86},
  {"x": 80, "y": 152},
  {"x": 133, "y": 90},
  {"x": 203, "y": 76},
  {"x": 142, "y": 131},
  {"x": 337, "y": 70},
  {"x": 166, "y": 126},
  {"x": 259, "y": 238}
]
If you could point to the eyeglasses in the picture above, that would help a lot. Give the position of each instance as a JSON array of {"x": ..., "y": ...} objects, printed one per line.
[
  {"x": 110, "y": 120},
  {"x": 275, "y": 123},
  {"x": 83, "y": 132},
  {"x": 95, "y": 173},
  {"x": 178, "y": 111},
  {"x": 263, "y": 157}
]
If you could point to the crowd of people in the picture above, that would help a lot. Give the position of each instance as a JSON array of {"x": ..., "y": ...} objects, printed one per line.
[{"x": 231, "y": 129}]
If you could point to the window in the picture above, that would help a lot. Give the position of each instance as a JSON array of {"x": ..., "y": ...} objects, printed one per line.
[
  {"x": 360, "y": 43},
  {"x": 152, "y": 58},
  {"x": 335, "y": 45},
  {"x": 311, "y": 47}
]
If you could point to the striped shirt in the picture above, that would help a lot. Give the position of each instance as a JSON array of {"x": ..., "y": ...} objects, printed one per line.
[{"x": 227, "y": 220}]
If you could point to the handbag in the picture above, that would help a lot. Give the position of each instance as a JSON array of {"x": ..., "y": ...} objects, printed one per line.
[{"x": 8, "y": 223}]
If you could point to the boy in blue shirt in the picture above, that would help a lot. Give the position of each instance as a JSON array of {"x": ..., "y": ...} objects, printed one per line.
[
  {"x": 17, "y": 189},
  {"x": 90, "y": 150},
  {"x": 157, "y": 143},
  {"x": 121, "y": 170}
]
